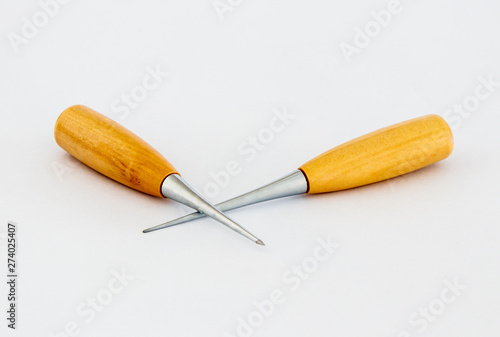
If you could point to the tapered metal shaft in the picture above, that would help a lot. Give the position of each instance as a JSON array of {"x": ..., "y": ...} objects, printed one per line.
[
  {"x": 176, "y": 188},
  {"x": 292, "y": 184}
]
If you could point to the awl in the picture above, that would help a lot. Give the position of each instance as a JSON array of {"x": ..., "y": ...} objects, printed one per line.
[
  {"x": 376, "y": 156},
  {"x": 114, "y": 151}
]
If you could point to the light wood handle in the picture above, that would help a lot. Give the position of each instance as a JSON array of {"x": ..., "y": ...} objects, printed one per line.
[
  {"x": 111, "y": 149},
  {"x": 380, "y": 155}
]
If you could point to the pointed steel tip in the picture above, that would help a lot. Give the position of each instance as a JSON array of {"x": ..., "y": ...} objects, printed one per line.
[
  {"x": 259, "y": 242},
  {"x": 151, "y": 229}
]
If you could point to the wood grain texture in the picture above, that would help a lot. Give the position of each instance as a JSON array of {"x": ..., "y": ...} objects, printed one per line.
[
  {"x": 111, "y": 149},
  {"x": 380, "y": 155}
]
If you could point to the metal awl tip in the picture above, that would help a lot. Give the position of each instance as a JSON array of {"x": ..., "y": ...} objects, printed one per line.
[{"x": 175, "y": 188}]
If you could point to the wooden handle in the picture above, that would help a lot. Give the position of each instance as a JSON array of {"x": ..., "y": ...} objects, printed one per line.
[
  {"x": 380, "y": 155},
  {"x": 111, "y": 149}
]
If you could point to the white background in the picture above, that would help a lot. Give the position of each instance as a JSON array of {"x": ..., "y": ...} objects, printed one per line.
[{"x": 399, "y": 241}]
